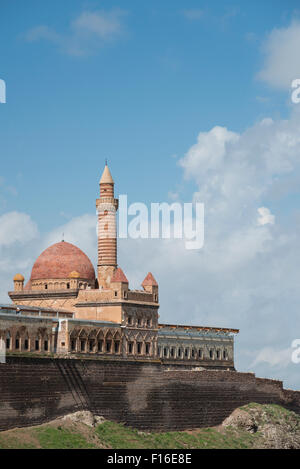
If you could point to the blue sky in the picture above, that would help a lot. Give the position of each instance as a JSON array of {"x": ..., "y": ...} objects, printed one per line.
[
  {"x": 138, "y": 97},
  {"x": 187, "y": 100}
]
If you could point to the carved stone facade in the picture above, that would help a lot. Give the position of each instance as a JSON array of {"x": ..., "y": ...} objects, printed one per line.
[
  {"x": 26, "y": 334},
  {"x": 206, "y": 347}
]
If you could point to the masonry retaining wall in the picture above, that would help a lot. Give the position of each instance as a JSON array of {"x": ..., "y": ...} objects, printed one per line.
[{"x": 144, "y": 395}]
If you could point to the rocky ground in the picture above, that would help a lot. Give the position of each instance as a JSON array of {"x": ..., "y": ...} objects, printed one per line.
[
  {"x": 250, "y": 426},
  {"x": 274, "y": 426}
]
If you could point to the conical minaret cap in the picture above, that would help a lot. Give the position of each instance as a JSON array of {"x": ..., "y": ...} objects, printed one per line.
[
  {"x": 119, "y": 276},
  {"x": 149, "y": 280},
  {"x": 106, "y": 177}
]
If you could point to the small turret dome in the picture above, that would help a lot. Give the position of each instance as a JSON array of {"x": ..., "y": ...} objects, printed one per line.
[{"x": 19, "y": 278}]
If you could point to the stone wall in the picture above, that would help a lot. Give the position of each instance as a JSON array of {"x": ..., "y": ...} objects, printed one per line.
[{"x": 143, "y": 395}]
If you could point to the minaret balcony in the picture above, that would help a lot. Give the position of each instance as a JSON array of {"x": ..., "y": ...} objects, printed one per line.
[{"x": 107, "y": 200}]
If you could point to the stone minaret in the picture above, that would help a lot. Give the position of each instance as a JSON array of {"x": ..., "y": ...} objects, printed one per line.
[{"x": 107, "y": 206}]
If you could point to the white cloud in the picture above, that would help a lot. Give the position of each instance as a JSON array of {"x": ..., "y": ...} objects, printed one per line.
[
  {"x": 208, "y": 153},
  {"x": 16, "y": 227},
  {"x": 102, "y": 24},
  {"x": 81, "y": 231},
  {"x": 173, "y": 195},
  {"x": 18, "y": 235},
  {"x": 89, "y": 31},
  {"x": 265, "y": 216},
  {"x": 281, "y": 56},
  {"x": 43, "y": 32},
  {"x": 273, "y": 357}
]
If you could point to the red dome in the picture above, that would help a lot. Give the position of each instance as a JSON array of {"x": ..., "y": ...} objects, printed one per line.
[{"x": 59, "y": 260}]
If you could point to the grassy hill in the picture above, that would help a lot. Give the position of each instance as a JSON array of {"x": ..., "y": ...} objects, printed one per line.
[{"x": 251, "y": 426}]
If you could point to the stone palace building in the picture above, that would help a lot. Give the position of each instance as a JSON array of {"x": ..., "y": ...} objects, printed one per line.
[{"x": 66, "y": 309}]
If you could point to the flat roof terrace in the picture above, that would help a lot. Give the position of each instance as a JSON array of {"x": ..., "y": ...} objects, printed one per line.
[
  {"x": 197, "y": 328},
  {"x": 36, "y": 310}
]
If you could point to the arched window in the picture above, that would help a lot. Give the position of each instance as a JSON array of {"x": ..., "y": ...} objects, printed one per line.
[
  {"x": 91, "y": 345},
  {"x": 117, "y": 342},
  {"x": 108, "y": 342},
  {"x": 82, "y": 341},
  {"x": 17, "y": 342},
  {"x": 100, "y": 345},
  {"x": 82, "y": 345},
  {"x": 100, "y": 342},
  {"x": 73, "y": 340},
  {"x": 37, "y": 344},
  {"x": 26, "y": 342},
  {"x": 117, "y": 346},
  {"x": 7, "y": 340}
]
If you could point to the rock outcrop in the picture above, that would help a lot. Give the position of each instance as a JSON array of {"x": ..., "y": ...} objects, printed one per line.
[{"x": 274, "y": 426}]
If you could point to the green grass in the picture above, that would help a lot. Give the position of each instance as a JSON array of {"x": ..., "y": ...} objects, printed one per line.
[
  {"x": 13, "y": 444},
  {"x": 117, "y": 436},
  {"x": 60, "y": 438},
  {"x": 62, "y": 435}
]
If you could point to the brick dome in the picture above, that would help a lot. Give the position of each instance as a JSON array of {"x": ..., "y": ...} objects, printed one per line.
[{"x": 59, "y": 260}]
